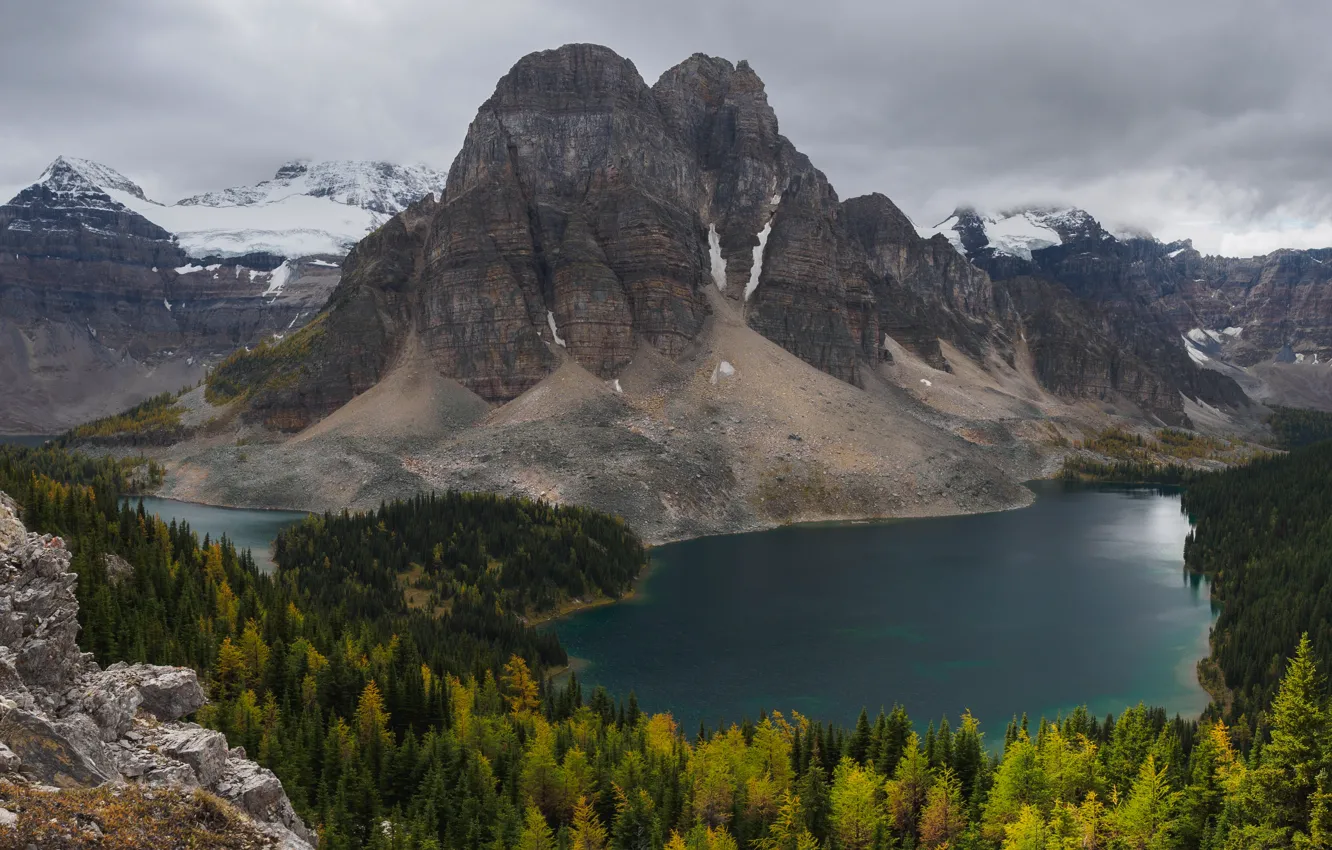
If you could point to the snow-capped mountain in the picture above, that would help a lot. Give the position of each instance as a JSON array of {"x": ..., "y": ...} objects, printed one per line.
[
  {"x": 380, "y": 187},
  {"x": 306, "y": 209},
  {"x": 1017, "y": 232}
]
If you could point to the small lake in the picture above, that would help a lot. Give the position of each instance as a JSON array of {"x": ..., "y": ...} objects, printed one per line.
[
  {"x": 1080, "y": 598},
  {"x": 247, "y": 528}
]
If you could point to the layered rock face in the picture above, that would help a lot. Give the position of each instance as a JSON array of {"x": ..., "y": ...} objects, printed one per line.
[
  {"x": 931, "y": 291},
  {"x": 1254, "y": 308},
  {"x": 1128, "y": 298},
  {"x": 65, "y": 722},
  {"x": 100, "y": 308},
  {"x": 587, "y": 213},
  {"x": 1278, "y": 302}
]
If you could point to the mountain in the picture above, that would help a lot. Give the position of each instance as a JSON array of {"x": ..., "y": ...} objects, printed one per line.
[
  {"x": 1246, "y": 318},
  {"x": 307, "y": 209},
  {"x": 108, "y": 297},
  {"x": 643, "y": 298}
]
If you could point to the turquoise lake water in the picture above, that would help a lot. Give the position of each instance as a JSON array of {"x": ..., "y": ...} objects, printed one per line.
[
  {"x": 1078, "y": 599},
  {"x": 247, "y": 528}
]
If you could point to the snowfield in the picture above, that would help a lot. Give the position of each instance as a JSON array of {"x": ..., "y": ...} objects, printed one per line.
[{"x": 319, "y": 208}]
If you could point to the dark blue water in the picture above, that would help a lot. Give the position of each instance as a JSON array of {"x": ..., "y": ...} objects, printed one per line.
[
  {"x": 1077, "y": 599},
  {"x": 247, "y": 528}
]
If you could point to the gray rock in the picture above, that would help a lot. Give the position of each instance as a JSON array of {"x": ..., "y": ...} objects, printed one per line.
[
  {"x": 112, "y": 707},
  {"x": 11, "y": 530},
  {"x": 258, "y": 792},
  {"x": 65, "y": 722},
  {"x": 9, "y": 760},
  {"x": 169, "y": 693},
  {"x": 49, "y": 753},
  {"x": 117, "y": 568},
  {"x": 205, "y": 750}
]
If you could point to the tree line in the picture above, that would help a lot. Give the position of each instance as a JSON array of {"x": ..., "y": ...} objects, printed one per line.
[{"x": 423, "y": 723}]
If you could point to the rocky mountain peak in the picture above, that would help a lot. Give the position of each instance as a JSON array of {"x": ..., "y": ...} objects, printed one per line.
[
  {"x": 69, "y": 723},
  {"x": 383, "y": 188},
  {"x": 73, "y": 175},
  {"x": 1019, "y": 231},
  {"x": 78, "y": 211},
  {"x": 294, "y": 168}
]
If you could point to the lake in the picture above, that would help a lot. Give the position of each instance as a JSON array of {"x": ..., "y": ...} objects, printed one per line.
[
  {"x": 1080, "y": 598},
  {"x": 247, "y": 528}
]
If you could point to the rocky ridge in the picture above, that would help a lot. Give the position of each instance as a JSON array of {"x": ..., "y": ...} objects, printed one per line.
[
  {"x": 1242, "y": 309},
  {"x": 100, "y": 307},
  {"x": 588, "y": 214},
  {"x": 65, "y": 722}
]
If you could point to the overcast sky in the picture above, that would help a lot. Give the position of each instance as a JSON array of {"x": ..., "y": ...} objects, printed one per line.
[{"x": 1208, "y": 119}]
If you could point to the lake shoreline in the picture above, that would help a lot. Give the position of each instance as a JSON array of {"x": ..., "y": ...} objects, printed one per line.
[
  {"x": 635, "y": 591},
  {"x": 1188, "y": 698}
]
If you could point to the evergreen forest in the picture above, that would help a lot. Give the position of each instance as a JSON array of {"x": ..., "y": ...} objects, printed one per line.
[{"x": 390, "y": 673}]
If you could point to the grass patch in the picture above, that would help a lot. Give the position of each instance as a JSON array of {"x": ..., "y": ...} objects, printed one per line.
[{"x": 128, "y": 817}]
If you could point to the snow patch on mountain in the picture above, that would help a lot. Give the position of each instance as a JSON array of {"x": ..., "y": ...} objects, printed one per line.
[
  {"x": 99, "y": 176},
  {"x": 757, "y": 268},
  {"x": 716, "y": 262},
  {"x": 306, "y": 209},
  {"x": 277, "y": 280},
  {"x": 1018, "y": 232},
  {"x": 379, "y": 187}
]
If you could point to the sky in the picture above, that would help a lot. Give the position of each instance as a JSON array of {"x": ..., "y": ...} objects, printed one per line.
[{"x": 1191, "y": 119}]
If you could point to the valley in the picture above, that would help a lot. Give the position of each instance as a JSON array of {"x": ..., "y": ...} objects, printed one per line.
[{"x": 430, "y": 430}]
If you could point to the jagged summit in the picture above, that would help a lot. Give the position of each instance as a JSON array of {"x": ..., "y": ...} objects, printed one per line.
[
  {"x": 380, "y": 187},
  {"x": 67, "y": 173},
  {"x": 1016, "y": 232},
  {"x": 307, "y": 209}
]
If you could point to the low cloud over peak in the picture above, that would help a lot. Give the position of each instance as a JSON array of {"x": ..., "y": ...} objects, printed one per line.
[{"x": 1190, "y": 119}]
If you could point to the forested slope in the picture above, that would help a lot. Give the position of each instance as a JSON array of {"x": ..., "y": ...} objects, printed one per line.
[
  {"x": 1264, "y": 536},
  {"x": 427, "y": 724}
]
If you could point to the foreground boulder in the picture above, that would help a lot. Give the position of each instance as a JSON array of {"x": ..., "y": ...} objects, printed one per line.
[{"x": 66, "y": 723}]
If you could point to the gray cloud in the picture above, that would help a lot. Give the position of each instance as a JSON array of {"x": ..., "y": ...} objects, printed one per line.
[{"x": 1203, "y": 119}]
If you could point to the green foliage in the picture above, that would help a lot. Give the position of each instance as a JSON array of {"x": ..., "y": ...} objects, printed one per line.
[
  {"x": 1122, "y": 456},
  {"x": 459, "y": 550},
  {"x": 269, "y": 365},
  {"x": 394, "y": 725},
  {"x": 1263, "y": 535},
  {"x": 1294, "y": 428},
  {"x": 155, "y": 422}
]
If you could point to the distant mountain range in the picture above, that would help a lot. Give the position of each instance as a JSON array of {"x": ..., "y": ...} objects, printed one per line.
[
  {"x": 108, "y": 296},
  {"x": 306, "y": 209},
  {"x": 637, "y": 297}
]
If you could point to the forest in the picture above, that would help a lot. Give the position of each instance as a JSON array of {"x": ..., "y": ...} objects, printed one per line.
[
  {"x": 1295, "y": 428},
  {"x": 404, "y": 699}
]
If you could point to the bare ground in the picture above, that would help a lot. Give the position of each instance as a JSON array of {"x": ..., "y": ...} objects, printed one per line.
[{"x": 682, "y": 449}]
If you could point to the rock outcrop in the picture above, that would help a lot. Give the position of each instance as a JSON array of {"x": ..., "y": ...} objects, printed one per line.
[
  {"x": 1074, "y": 282},
  {"x": 586, "y": 215},
  {"x": 66, "y": 722}
]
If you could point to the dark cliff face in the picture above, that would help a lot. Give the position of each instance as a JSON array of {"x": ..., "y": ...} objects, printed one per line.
[
  {"x": 584, "y": 205},
  {"x": 578, "y": 215},
  {"x": 1128, "y": 290},
  {"x": 930, "y": 292},
  {"x": 1280, "y": 300},
  {"x": 91, "y": 304},
  {"x": 587, "y": 213}
]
